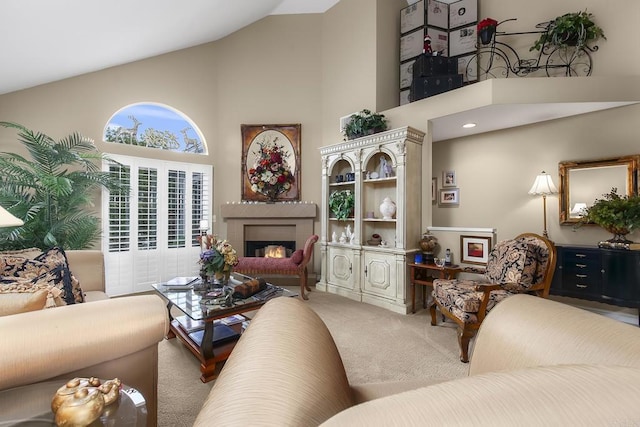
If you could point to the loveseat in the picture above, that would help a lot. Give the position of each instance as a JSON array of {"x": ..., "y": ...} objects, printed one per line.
[
  {"x": 535, "y": 362},
  {"x": 101, "y": 337}
]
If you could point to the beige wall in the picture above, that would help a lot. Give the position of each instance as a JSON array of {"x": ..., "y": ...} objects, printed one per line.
[
  {"x": 313, "y": 69},
  {"x": 495, "y": 170}
]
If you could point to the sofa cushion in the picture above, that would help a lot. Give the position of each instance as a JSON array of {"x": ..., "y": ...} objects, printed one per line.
[
  {"x": 513, "y": 262},
  {"x": 54, "y": 260},
  {"x": 19, "y": 295}
]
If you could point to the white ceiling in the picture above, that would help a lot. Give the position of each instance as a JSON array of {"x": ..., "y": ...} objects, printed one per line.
[{"x": 49, "y": 40}]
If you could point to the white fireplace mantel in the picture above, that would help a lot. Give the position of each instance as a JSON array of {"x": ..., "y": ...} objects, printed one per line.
[{"x": 277, "y": 221}]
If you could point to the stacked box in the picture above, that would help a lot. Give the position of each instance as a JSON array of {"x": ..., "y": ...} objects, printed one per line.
[
  {"x": 433, "y": 75},
  {"x": 451, "y": 27}
]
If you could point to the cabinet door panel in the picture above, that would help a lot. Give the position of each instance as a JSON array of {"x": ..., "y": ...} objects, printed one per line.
[
  {"x": 380, "y": 272},
  {"x": 341, "y": 264},
  {"x": 622, "y": 270}
]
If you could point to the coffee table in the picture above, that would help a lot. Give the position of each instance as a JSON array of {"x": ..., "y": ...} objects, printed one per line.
[{"x": 201, "y": 313}]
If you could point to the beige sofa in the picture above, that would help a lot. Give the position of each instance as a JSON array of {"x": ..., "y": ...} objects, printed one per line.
[
  {"x": 535, "y": 362},
  {"x": 103, "y": 337}
]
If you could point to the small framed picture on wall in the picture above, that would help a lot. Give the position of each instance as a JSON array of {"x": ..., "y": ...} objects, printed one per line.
[
  {"x": 449, "y": 179},
  {"x": 449, "y": 197},
  {"x": 475, "y": 249}
]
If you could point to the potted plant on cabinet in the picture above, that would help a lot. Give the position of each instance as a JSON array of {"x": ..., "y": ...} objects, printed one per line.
[
  {"x": 341, "y": 204},
  {"x": 619, "y": 215},
  {"x": 364, "y": 123},
  {"x": 571, "y": 29}
]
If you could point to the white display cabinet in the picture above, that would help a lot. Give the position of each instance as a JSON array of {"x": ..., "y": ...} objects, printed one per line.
[{"x": 377, "y": 167}]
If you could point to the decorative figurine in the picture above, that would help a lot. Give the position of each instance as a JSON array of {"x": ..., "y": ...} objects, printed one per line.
[{"x": 427, "y": 49}]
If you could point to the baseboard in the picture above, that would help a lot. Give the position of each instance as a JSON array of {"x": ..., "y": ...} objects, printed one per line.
[{"x": 622, "y": 314}]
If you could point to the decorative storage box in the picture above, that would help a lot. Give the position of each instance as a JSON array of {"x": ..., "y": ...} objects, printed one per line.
[
  {"x": 423, "y": 87},
  {"x": 428, "y": 66}
]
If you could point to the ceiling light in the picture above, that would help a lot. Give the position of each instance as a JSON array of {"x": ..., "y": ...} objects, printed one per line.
[{"x": 469, "y": 125}]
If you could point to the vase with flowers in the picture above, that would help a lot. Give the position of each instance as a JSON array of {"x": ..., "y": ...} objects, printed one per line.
[
  {"x": 271, "y": 174},
  {"x": 486, "y": 30},
  {"x": 217, "y": 260}
]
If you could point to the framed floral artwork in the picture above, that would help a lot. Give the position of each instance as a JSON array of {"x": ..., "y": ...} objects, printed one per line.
[{"x": 271, "y": 162}]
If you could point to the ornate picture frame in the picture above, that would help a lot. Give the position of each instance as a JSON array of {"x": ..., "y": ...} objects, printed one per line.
[{"x": 287, "y": 136}]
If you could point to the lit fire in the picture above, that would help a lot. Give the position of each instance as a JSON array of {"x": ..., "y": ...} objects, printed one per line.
[{"x": 275, "y": 252}]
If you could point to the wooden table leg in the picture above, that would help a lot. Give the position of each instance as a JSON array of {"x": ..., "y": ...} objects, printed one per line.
[{"x": 413, "y": 288}]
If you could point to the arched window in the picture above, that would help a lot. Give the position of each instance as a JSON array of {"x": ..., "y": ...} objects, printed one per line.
[{"x": 155, "y": 126}]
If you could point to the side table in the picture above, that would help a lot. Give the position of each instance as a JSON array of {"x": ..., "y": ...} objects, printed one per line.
[
  {"x": 31, "y": 405},
  {"x": 423, "y": 274}
]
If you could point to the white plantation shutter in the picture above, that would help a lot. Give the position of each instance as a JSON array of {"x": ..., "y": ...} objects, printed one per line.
[{"x": 152, "y": 231}]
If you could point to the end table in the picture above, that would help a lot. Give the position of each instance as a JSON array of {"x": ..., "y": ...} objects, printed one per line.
[{"x": 423, "y": 274}]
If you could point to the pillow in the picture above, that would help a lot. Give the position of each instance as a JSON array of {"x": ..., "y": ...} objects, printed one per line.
[
  {"x": 296, "y": 256},
  {"x": 20, "y": 295},
  {"x": 512, "y": 262},
  {"x": 53, "y": 260},
  {"x": 55, "y": 257}
]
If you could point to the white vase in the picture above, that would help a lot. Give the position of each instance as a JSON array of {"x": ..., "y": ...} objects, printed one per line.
[{"x": 387, "y": 208}]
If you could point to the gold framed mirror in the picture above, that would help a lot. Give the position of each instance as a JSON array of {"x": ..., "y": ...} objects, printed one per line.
[{"x": 582, "y": 182}]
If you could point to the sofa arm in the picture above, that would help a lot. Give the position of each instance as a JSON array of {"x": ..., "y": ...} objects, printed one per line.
[
  {"x": 285, "y": 370},
  {"x": 45, "y": 344},
  {"x": 565, "y": 395}
]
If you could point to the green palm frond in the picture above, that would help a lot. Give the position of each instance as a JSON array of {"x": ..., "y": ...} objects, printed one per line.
[{"x": 53, "y": 190}]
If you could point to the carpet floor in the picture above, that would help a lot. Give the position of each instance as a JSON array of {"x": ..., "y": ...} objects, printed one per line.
[{"x": 376, "y": 345}]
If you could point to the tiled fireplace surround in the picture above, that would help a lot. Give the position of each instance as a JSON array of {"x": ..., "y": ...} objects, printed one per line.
[{"x": 268, "y": 222}]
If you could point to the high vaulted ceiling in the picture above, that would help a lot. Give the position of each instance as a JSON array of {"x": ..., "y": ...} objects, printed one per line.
[{"x": 49, "y": 40}]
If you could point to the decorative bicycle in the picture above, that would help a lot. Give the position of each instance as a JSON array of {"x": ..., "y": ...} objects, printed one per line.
[{"x": 497, "y": 59}]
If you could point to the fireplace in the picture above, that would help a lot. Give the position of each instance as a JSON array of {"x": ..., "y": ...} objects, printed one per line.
[
  {"x": 278, "y": 222},
  {"x": 269, "y": 248}
]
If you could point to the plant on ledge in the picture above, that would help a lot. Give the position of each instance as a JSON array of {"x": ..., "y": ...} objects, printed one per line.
[
  {"x": 364, "y": 123},
  {"x": 52, "y": 191},
  {"x": 619, "y": 215},
  {"x": 571, "y": 29},
  {"x": 341, "y": 204}
]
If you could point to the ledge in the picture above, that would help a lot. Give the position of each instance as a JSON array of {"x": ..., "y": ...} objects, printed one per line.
[
  {"x": 267, "y": 210},
  {"x": 504, "y": 103}
]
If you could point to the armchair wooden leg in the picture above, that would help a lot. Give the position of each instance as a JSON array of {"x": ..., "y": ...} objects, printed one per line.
[
  {"x": 434, "y": 314},
  {"x": 464, "y": 336}
]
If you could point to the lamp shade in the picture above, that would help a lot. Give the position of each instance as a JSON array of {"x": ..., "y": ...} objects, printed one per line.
[
  {"x": 204, "y": 224},
  {"x": 543, "y": 185},
  {"x": 8, "y": 220}
]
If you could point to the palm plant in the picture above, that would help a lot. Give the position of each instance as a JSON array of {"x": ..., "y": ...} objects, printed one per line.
[{"x": 52, "y": 191}]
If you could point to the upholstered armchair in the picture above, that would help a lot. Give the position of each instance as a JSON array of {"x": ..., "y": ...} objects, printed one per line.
[{"x": 522, "y": 265}]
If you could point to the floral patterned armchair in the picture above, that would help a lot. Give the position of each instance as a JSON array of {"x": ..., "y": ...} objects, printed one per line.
[{"x": 522, "y": 265}]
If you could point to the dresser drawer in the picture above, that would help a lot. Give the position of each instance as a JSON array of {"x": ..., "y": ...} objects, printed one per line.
[{"x": 581, "y": 281}]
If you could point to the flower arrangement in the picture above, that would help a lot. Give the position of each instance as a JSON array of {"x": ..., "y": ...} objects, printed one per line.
[
  {"x": 271, "y": 174},
  {"x": 218, "y": 258},
  {"x": 486, "y": 30},
  {"x": 487, "y": 22}
]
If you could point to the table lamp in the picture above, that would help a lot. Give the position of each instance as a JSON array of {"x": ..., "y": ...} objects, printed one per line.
[
  {"x": 543, "y": 185},
  {"x": 8, "y": 220}
]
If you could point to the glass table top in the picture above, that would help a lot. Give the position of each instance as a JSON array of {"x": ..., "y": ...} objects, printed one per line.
[{"x": 200, "y": 303}]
